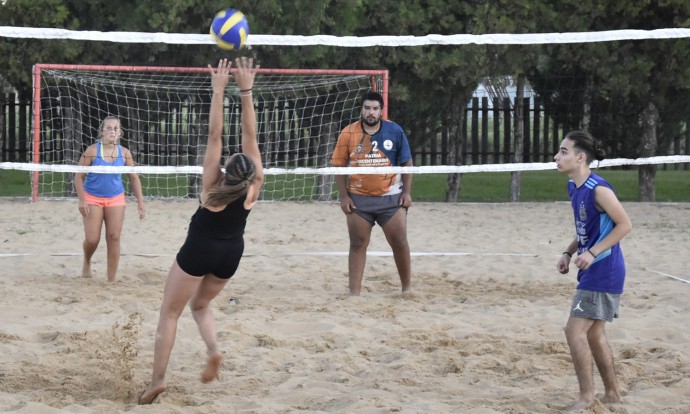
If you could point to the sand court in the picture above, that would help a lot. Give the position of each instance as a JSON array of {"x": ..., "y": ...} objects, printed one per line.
[{"x": 481, "y": 332}]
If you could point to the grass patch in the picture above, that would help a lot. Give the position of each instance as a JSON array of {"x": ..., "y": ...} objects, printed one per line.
[
  {"x": 15, "y": 183},
  {"x": 536, "y": 186},
  {"x": 542, "y": 186}
]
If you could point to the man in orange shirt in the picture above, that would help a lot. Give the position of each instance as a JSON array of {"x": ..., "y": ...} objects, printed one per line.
[{"x": 367, "y": 199}]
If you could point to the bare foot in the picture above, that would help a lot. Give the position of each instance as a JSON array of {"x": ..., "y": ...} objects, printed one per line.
[
  {"x": 613, "y": 399},
  {"x": 349, "y": 296},
  {"x": 579, "y": 406},
  {"x": 86, "y": 270},
  {"x": 151, "y": 393},
  {"x": 408, "y": 294},
  {"x": 212, "y": 368}
]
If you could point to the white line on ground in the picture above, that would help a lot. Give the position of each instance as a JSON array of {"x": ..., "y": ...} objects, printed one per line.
[
  {"x": 343, "y": 254},
  {"x": 667, "y": 275}
]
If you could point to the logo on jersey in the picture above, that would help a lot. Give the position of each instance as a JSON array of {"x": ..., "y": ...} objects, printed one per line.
[
  {"x": 583, "y": 212},
  {"x": 388, "y": 144}
]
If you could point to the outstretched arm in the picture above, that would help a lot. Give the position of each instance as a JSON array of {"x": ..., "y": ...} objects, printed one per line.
[
  {"x": 214, "y": 147},
  {"x": 244, "y": 77}
]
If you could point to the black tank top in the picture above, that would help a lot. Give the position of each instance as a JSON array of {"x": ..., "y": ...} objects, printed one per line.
[{"x": 228, "y": 223}]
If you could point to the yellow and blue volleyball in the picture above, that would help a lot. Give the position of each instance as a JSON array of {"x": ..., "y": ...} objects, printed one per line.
[{"x": 230, "y": 29}]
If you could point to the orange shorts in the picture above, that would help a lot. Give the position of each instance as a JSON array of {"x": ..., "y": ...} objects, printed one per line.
[{"x": 103, "y": 202}]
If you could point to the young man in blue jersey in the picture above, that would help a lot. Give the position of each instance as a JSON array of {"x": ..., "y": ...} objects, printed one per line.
[{"x": 600, "y": 224}]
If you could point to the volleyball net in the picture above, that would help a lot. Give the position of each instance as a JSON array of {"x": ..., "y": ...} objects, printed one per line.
[
  {"x": 498, "y": 127},
  {"x": 164, "y": 112}
]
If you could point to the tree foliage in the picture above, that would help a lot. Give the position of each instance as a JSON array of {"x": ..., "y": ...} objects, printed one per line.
[
  {"x": 299, "y": 17},
  {"x": 627, "y": 75},
  {"x": 430, "y": 86}
]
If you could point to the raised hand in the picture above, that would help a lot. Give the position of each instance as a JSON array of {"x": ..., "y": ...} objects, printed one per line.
[
  {"x": 244, "y": 75},
  {"x": 220, "y": 75}
]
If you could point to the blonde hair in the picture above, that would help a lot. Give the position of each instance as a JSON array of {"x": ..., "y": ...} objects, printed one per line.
[{"x": 240, "y": 172}]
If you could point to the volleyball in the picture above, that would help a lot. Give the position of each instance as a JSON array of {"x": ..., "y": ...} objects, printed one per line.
[{"x": 230, "y": 29}]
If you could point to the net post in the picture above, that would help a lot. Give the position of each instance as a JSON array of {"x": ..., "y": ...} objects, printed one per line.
[
  {"x": 36, "y": 108},
  {"x": 384, "y": 93}
]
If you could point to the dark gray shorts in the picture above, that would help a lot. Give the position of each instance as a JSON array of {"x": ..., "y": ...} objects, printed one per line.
[
  {"x": 595, "y": 305},
  {"x": 376, "y": 209}
]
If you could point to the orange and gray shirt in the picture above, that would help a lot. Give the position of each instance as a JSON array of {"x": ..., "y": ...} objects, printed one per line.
[{"x": 388, "y": 147}]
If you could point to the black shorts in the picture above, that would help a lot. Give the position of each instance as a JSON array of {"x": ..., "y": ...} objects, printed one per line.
[{"x": 200, "y": 256}]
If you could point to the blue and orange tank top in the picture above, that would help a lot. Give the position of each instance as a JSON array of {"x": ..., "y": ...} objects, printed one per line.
[{"x": 105, "y": 184}]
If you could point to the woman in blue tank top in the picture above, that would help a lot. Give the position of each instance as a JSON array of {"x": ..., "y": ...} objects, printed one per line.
[
  {"x": 212, "y": 251},
  {"x": 102, "y": 196},
  {"x": 600, "y": 224}
]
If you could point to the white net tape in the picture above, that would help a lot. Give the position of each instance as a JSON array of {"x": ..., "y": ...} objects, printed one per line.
[
  {"x": 435, "y": 169},
  {"x": 349, "y": 41}
]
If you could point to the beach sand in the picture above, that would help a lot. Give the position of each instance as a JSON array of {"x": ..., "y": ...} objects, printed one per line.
[{"x": 480, "y": 333}]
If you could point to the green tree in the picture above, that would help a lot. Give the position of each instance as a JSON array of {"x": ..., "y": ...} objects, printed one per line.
[
  {"x": 299, "y": 17},
  {"x": 612, "y": 86},
  {"x": 430, "y": 86},
  {"x": 520, "y": 16},
  {"x": 632, "y": 94}
]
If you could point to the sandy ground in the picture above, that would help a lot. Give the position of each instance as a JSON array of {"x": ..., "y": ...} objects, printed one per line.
[{"x": 480, "y": 333}]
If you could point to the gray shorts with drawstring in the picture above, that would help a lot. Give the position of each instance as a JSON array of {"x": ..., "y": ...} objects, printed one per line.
[{"x": 595, "y": 305}]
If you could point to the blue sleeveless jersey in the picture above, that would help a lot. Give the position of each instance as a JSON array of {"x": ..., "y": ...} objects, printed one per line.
[
  {"x": 105, "y": 185},
  {"x": 607, "y": 271}
]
